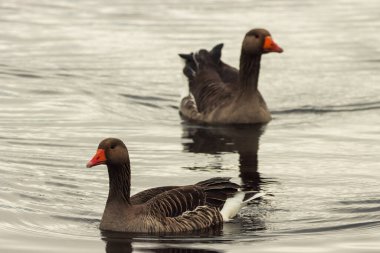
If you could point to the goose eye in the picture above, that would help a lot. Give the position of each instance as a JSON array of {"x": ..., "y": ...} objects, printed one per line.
[
  {"x": 113, "y": 146},
  {"x": 256, "y": 36}
]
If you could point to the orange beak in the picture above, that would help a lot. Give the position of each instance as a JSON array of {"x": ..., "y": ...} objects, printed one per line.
[
  {"x": 271, "y": 46},
  {"x": 99, "y": 158}
]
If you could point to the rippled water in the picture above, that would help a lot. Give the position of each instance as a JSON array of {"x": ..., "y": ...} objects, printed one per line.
[{"x": 75, "y": 72}]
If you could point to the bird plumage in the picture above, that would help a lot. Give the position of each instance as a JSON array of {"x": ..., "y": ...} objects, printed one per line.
[
  {"x": 222, "y": 94},
  {"x": 168, "y": 209}
]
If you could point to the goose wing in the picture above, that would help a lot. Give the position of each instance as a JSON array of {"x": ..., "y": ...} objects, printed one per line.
[
  {"x": 179, "y": 210},
  {"x": 211, "y": 81},
  {"x": 218, "y": 189},
  {"x": 143, "y": 196},
  {"x": 228, "y": 74},
  {"x": 209, "y": 91},
  {"x": 175, "y": 202}
]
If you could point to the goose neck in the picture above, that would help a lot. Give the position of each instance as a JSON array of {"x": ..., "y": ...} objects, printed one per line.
[
  {"x": 119, "y": 183},
  {"x": 249, "y": 71}
]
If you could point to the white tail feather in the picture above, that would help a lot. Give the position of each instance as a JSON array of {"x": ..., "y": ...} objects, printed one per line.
[
  {"x": 256, "y": 196},
  {"x": 233, "y": 205}
]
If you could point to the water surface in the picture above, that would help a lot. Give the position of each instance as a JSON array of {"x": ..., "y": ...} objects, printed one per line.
[{"x": 73, "y": 73}]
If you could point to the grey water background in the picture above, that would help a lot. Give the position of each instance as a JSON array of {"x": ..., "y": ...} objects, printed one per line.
[{"x": 75, "y": 72}]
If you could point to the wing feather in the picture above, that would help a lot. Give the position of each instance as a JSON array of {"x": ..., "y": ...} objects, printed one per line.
[
  {"x": 144, "y": 196},
  {"x": 175, "y": 202}
]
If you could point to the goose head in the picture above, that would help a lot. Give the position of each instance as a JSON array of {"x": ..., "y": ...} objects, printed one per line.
[
  {"x": 112, "y": 152},
  {"x": 259, "y": 41}
]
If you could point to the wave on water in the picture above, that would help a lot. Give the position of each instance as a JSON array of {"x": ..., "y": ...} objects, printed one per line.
[
  {"x": 358, "y": 225},
  {"x": 151, "y": 101},
  {"x": 307, "y": 109}
]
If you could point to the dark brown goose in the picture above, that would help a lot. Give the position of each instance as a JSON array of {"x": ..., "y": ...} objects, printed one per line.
[
  {"x": 221, "y": 94},
  {"x": 168, "y": 209}
]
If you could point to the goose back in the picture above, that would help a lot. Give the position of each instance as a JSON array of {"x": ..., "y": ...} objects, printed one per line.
[
  {"x": 143, "y": 196},
  {"x": 211, "y": 81}
]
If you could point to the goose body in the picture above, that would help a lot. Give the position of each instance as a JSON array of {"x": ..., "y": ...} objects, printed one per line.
[
  {"x": 168, "y": 209},
  {"x": 221, "y": 94}
]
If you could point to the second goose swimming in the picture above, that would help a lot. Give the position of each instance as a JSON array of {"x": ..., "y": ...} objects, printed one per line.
[{"x": 221, "y": 94}]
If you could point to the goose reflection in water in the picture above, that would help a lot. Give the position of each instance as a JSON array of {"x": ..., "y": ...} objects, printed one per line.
[
  {"x": 117, "y": 242},
  {"x": 240, "y": 139},
  {"x": 243, "y": 140}
]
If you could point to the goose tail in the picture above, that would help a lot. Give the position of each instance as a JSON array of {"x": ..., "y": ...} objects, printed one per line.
[
  {"x": 191, "y": 65},
  {"x": 196, "y": 61},
  {"x": 233, "y": 205}
]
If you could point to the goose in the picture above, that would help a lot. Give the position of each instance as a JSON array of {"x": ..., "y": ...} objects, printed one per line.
[
  {"x": 221, "y": 94},
  {"x": 167, "y": 209}
]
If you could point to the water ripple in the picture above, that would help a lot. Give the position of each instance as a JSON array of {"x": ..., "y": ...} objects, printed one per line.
[
  {"x": 352, "y": 226},
  {"x": 307, "y": 109},
  {"x": 75, "y": 72}
]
